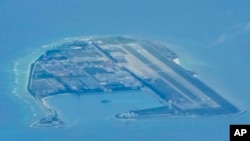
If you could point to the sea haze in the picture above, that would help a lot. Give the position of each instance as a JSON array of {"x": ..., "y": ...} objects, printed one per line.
[{"x": 210, "y": 38}]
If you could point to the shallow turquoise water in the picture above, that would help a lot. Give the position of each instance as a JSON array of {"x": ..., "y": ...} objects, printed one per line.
[{"x": 211, "y": 38}]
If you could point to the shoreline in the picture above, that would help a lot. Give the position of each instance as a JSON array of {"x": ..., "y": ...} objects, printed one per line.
[{"x": 40, "y": 98}]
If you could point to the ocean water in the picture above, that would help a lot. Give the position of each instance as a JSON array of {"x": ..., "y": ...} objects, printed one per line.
[{"x": 211, "y": 38}]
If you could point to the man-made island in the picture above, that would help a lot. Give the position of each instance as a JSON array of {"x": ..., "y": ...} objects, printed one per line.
[{"x": 108, "y": 64}]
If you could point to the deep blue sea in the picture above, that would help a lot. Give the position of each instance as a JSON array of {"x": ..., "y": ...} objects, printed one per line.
[{"x": 210, "y": 37}]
